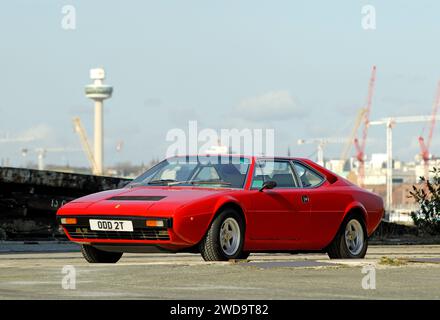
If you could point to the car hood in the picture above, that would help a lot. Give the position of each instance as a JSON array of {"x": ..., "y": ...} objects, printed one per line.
[{"x": 160, "y": 201}]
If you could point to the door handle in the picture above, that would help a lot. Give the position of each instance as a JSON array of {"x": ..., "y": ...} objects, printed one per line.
[{"x": 305, "y": 198}]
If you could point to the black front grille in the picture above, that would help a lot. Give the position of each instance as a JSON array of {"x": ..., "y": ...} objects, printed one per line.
[{"x": 83, "y": 232}]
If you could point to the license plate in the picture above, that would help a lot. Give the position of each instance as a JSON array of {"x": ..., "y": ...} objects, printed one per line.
[{"x": 111, "y": 225}]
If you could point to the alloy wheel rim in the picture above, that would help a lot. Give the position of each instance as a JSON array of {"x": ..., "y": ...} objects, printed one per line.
[
  {"x": 230, "y": 236},
  {"x": 354, "y": 237}
]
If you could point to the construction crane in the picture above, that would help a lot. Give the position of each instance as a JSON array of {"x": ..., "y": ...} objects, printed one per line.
[
  {"x": 7, "y": 139},
  {"x": 79, "y": 129},
  {"x": 390, "y": 123},
  {"x": 346, "y": 151},
  {"x": 42, "y": 152},
  {"x": 320, "y": 143},
  {"x": 425, "y": 147},
  {"x": 360, "y": 146}
]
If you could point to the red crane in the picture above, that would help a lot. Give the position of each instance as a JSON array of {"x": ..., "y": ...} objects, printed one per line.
[
  {"x": 360, "y": 147},
  {"x": 424, "y": 148}
]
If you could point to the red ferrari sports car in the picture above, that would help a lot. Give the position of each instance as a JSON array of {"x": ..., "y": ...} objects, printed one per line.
[{"x": 226, "y": 207}]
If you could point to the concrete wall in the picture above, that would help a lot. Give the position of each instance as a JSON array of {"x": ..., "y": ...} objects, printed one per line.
[{"x": 29, "y": 199}]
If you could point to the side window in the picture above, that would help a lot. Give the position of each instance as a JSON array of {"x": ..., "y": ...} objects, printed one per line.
[
  {"x": 279, "y": 171},
  {"x": 308, "y": 177}
]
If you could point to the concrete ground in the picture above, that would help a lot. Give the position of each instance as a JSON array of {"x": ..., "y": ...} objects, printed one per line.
[{"x": 35, "y": 271}]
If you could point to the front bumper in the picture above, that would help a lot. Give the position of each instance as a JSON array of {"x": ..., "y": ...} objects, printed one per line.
[{"x": 81, "y": 232}]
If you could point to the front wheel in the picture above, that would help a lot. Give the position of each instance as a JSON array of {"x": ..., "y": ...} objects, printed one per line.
[
  {"x": 93, "y": 255},
  {"x": 225, "y": 238},
  {"x": 351, "y": 242}
]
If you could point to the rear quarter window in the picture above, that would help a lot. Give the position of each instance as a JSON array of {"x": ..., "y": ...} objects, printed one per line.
[{"x": 308, "y": 177}]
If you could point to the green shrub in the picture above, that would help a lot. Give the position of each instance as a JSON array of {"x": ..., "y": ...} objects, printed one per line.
[{"x": 427, "y": 195}]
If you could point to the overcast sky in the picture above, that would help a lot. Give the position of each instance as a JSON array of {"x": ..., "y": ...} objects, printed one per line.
[{"x": 300, "y": 67}]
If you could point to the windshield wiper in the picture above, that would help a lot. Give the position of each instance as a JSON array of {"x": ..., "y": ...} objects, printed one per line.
[
  {"x": 211, "y": 182},
  {"x": 172, "y": 182},
  {"x": 162, "y": 181}
]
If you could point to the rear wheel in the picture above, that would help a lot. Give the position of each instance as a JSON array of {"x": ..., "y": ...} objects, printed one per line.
[
  {"x": 224, "y": 239},
  {"x": 351, "y": 242},
  {"x": 93, "y": 255}
]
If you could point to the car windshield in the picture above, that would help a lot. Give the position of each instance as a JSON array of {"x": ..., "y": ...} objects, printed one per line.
[{"x": 213, "y": 171}]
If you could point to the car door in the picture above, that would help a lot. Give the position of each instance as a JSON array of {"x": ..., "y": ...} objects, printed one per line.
[
  {"x": 281, "y": 213},
  {"x": 323, "y": 205}
]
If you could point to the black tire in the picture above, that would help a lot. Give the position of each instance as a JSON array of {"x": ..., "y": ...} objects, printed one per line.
[
  {"x": 210, "y": 246},
  {"x": 338, "y": 249},
  {"x": 93, "y": 255}
]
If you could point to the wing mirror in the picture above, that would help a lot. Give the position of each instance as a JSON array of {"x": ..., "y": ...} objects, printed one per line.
[{"x": 268, "y": 185}]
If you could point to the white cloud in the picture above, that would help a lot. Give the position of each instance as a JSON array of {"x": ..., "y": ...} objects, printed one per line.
[{"x": 273, "y": 105}]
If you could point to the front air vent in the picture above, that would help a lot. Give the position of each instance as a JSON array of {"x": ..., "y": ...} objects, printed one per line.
[
  {"x": 136, "y": 198},
  {"x": 84, "y": 232}
]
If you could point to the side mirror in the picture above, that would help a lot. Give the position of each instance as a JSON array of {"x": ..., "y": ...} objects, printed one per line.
[{"x": 268, "y": 185}]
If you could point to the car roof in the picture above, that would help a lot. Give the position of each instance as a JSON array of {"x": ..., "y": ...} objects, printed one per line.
[{"x": 239, "y": 155}]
